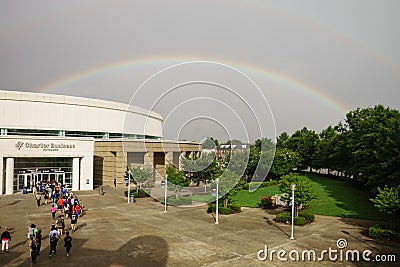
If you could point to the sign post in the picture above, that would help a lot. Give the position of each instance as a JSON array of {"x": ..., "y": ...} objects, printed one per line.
[
  {"x": 165, "y": 193},
  {"x": 216, "y": 208},
  {"x": 129, "y": 183},
  {"x": 293, "y": 187}
]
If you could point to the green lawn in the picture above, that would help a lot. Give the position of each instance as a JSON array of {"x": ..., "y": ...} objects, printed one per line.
[
  {"x": 333, "y": 198},
  {"x": 247, "y": 199}
]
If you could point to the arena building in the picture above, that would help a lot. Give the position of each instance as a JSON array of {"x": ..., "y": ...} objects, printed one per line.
[{"x": 79, "y": 141}]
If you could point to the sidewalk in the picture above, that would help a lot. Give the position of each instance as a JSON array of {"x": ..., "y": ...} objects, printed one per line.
[{"x": 113, "y": 232}]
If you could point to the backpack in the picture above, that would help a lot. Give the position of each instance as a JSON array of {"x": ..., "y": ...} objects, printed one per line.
[{"x": 53, "y": 238}]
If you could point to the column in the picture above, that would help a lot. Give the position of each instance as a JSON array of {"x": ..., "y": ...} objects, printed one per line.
[
  {"x": 1, "y": 176},
  {"x": 169, "y": 158},
  {"x": 9, "y": 176},
  {"x": 75, "y": 174}
]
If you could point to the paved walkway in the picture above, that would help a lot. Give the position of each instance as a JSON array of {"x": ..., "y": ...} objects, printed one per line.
[{"x": 113, "y": 232}]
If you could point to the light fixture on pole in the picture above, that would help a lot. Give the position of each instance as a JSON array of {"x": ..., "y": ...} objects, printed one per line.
[
  {"x": 293, "y": 187},
  {"x": 216, "y": 207},
  {"x": 129, "y": 184},
  {"x": 165, "y": 192}
]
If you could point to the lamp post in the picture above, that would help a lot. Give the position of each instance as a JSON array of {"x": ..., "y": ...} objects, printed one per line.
[
  {"x": 216, "y": 208},
  {"x": 293, "y": 187},
  {"x": 165, "y": 192},
  {"x": 129, "y": 184}
]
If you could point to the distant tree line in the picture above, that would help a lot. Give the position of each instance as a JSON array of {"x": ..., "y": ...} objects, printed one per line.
[{"x": 364, "y": 148}]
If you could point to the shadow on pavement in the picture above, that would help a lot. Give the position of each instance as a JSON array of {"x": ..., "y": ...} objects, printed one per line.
[
  {"x": 12, "y": 203},
  {"x": 270, "y": 222},
  {"x": 147, "y": 250}
]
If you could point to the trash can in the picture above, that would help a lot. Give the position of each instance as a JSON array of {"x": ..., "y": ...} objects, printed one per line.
[
  {"x": 101, "y": 192},
  {"x": 131, "y": 198},
  {"x": 24, "y": 190}
]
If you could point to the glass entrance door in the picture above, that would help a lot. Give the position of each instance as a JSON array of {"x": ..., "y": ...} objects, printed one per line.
[
  {"x": 25, "y": 180},
  {"x": 60, "y": 178}
]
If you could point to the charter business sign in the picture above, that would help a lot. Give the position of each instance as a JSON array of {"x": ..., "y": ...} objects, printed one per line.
[{"x": 44, "y": 146}]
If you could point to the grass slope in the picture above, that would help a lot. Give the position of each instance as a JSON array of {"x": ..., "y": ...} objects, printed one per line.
[
  {"x": 338, "y": 198},
  {"x": 333, "y": 198},
  {"x": 247, "y": 199}
]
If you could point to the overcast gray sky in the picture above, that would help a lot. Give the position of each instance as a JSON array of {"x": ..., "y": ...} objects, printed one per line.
[{"x": 312, "y": 60}]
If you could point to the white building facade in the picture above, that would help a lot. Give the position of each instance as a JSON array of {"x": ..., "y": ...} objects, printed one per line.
[{"x": 48, "y": 137}]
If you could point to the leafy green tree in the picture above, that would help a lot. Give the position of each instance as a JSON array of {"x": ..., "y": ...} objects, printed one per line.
[
  {"x": 281, "y": 140},
  {"x": 373, "y": 146},
  {"x": 326, "y": 149},
  {"x": 177, "y": 178},
  {"x": 210, "y": 143},
  {"x": 226, "y": 186},
  {"x": 201, "y": 168},
  {"x": 305, "y": 143},
  {"x": 285, "y": 161},
  {"x": 303, "y": 193},
  {"x": 388, "y": 201},
  {"x": 260, "y": 159},
  {"x": 140, "y": 175},
  {"x": 236, "y": 162}
]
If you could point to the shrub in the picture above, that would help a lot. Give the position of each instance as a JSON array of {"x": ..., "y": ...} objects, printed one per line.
[
  {"x": 142, "y": 193},
  {"x": 309, "y": 217},
  {"x": 299, "y": 221},
  {"x": 381, "y": 231},
  {"x": 235, "y": 207},
  {"x": 286, "y": 217},
  {"x": 246, "y": 186},
  {"x": 283, "y": 217},
  {"x": 232, "y": 208},
  {"x": 180, "y": 201},
  {"x": 266, "y": 202}
]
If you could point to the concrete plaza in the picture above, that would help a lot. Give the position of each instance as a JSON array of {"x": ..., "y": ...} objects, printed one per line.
[{"x": 113, "y": 232}]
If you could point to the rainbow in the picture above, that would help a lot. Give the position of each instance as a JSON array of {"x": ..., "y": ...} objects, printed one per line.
[{"x": 299, "y": 87}]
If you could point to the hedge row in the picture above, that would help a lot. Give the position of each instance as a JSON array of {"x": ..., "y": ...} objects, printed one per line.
[
  {"x": 302, "y": 219},
  {"x": 178, "y": 202},
  {"x": 232, "y": 208},
  {"x": 141, "y": 194},
  {"x": 384, "y": 232}
]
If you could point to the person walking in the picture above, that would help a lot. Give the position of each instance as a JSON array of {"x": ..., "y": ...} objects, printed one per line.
[
  {"x": 60, "y": 224},
  {"x": 74, "y": 221},
  {"x": 33, "y": 247},
  {"x": 38, "y": 198},
  {"x": 53, "y": 241},
  {"x": 53, "y": 210},
  {"x": 67, "y": 243},
  {"x": 31, "y": 231},
  {"x": 115, "y": 182},
  {"x": 46, "y": 196},
  {"x": 5, "y": 238},
  {"x": 38, "y": 239}
]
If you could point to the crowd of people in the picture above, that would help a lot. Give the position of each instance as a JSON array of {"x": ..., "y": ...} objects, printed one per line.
[{"x": 64, "y": 205}]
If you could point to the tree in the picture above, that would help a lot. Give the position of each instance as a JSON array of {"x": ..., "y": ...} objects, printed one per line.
[
  {"x": 210, "y": 143},
  {"x": 226, "y": 186},
  {"x": 177, "y": 178},
  {"x": 388, "y": 200},
  {"x": 285, "y": 161},
  {"x": 305, "y": 143},
  {"x": 373, "y": 146},
  {"x": 140, "y": 175},
  {"x": 303, "y": 193},
  {"x": 260, "y": 159},
  {"x": 201, "y": 168},
  {"x": 236, "y": 162},
  {"x": 281, "y": 140}
]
